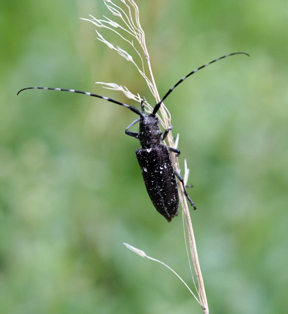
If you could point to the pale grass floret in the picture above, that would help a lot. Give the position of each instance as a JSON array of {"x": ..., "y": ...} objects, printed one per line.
[
  {"x": 144, "y": 255},
  {"x": 130, "y": 95},
  {"x": 131, "y": 28}
]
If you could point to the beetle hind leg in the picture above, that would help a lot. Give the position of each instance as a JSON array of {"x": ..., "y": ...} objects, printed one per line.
[{"x": 186, "y": 194}]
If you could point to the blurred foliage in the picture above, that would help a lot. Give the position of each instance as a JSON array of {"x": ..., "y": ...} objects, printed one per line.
[{"x": 71, "y": 189}]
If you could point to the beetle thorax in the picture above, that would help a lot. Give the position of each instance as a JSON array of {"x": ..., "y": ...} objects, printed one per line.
[{"x": 149, "y": 131}]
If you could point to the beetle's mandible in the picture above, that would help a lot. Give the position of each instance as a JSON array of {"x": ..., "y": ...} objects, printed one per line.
[{"x": 153, "y": 156}]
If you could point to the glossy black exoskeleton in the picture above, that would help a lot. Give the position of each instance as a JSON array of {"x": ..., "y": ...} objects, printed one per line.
[{"x": 154, "y": 157}]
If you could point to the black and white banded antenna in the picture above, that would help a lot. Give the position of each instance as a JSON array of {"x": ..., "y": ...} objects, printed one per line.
[
  {"x": 85, "y": 93},
  {"x": 132, "y": 108},
  {"x": 157, "y": 106}
]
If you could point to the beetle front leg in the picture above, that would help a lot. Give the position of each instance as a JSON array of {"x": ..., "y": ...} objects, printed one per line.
[
  {"x": 186, "y": 194},
  {"x": 133, "y": 134}
]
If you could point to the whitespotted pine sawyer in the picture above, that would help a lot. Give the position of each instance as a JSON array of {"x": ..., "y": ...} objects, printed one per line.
[{"x": 153, "y": 157}]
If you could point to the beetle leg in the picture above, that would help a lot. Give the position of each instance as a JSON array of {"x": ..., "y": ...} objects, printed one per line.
[
  {"x": 164, "y": 135},
  {"x": 174, "y": 150},
  {"x": 142, "y": 106},
  {"x": 186, "y": 194},
  {"x": 133, "y": 134}
]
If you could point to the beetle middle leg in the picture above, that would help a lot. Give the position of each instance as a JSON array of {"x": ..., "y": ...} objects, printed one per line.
[
  {"x": 186, "y": 194},
  {"x": 174, "y": 150},
  {"x": 164, "y": 135}
]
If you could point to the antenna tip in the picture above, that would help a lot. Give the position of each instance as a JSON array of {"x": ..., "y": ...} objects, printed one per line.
[
  {"x": 21, "y": 90},
  {"x": 244, "y": 53}
]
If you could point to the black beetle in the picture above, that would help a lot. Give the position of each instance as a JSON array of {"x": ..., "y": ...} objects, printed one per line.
[{"x": 153, "y": 157}]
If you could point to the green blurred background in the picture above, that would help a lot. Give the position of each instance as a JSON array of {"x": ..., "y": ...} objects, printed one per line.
[{"x": 71, "y": 189}]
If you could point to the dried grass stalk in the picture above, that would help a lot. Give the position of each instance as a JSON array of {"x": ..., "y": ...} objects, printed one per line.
[{"x": 129, "y": 19}]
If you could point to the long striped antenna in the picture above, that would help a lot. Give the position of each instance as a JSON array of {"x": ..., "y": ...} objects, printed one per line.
[
  {"x": 132, "y": 108},
  {"x": 135, "y": 110},
  {"x": 157, "y": 106}
]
